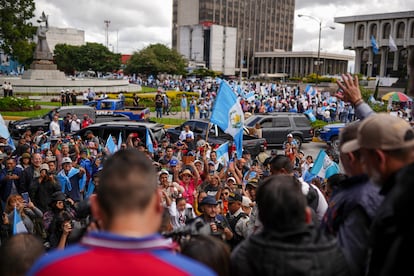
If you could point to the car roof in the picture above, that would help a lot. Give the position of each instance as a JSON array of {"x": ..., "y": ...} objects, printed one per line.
[{"x": 129, "y": 123}]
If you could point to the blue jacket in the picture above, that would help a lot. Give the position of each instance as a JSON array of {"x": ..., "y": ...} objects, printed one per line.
[
  {"x": 351, "y": 210},
  {"x": 6, "y": 185}
]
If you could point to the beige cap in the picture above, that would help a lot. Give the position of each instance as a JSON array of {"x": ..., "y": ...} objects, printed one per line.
[{"x": 381, "y": 131}]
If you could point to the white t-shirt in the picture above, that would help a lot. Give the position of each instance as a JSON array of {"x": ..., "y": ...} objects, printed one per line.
[
  {"x": 54, "y": 129},
  {"x": 75, "y": 125}
]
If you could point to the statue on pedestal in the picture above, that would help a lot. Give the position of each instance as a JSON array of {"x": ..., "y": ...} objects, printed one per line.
[{"x": 42, "y": 53}]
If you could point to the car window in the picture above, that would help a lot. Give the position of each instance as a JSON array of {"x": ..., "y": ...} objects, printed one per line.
[
  {"x": 199, "y": 127},
  {"x": 301, "y": 121},
  {"x": 266, "y": 123},
  {"x": 281, "y": 122},
  {"x": 251, "y": 121}
]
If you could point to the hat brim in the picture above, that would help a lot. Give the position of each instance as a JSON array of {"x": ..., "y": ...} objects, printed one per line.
[{"x": 350, "y": 146}]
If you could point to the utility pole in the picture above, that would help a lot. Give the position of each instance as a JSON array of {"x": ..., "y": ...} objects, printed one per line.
[{"x": 107, "y": 22}]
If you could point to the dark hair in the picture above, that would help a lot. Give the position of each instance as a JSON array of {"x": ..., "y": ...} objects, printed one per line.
[
  {"x": 280, "y": 162},
  {"x": 281, "y": 203},
  {"x": 210, "y": 251},
  {"x": 128, "y": 181},
  {"x": 19, "y": 253}
]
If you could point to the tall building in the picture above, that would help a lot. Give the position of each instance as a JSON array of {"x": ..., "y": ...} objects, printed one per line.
[{"x": 262, "y": 25}]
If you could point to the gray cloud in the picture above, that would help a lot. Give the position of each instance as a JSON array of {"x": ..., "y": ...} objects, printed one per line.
[{"x": 138, "y": 23}]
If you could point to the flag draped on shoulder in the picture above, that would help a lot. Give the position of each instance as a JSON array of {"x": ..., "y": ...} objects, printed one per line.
[
  {"x": 148, "y": 142},
  {"x": 18, "y": 225},
  {"x": 392, "y": 45},
  {"x": 374, "y": 44},
  {"x": 228, "y": 115},
  {"x": 324, "y": 166}
]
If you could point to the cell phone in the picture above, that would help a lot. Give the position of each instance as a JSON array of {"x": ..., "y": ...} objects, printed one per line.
[{"x": 26, "y": 197}]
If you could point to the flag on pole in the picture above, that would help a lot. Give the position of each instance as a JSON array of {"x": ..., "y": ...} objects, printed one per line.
[
  {"x": 110, "y": 144},
  {"x": 392, "y": 45},
  {"x": 310, "y": 90},
  {"x": 324, "y": 166},
  {"x": 18, "y": 225},
  {"x": 223, "y": 153},
  {"x": 228, "y": 115},
  {"x": 374, "y": 44},
  {"x": 148, "y": 142}
]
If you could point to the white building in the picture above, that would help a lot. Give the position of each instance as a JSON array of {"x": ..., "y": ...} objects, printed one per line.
[{"x": 213, "y": 45}]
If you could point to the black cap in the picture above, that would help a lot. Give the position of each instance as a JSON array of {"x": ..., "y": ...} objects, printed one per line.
[{"x": 235, "y": 197}]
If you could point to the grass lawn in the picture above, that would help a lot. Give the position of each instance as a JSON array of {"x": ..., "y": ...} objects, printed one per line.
[
  {"x": 48, "y": 103},
  {"x": 168, "y": 121},
  {"x": 30, "y": 113}
]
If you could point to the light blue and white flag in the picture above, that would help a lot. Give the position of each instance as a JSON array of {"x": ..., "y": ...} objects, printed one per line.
[
  {"x": 240, "y": 91},
  {"x": 110, "y": 144},
  {"x": 18, "y": 225},
  {"x": 324, "y": 166},
  {"x": 310, "y": 115},
  {"x": 148, "y": 142},
  {"x": 228, "y": 115},
  {"x": 310, "y": 90},
  {"x": 249, "y": 96},
  {"x": 223, "y": 153},
  {"x": 374, "y": 45}
]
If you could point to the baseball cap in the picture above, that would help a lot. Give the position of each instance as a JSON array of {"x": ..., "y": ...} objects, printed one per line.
[
  {"x": 246, "y": 201},
  {"x": 290, "y": 135},
  {"x": 208, "y": 200},
  {"x": 44, "y": 167},
  {"x": 66, "y": 160},
  {"x": 188, "y": 135},
  {"x": 235, "y": 197},
  {"x": 381, "y": 131},
  {"x": 253, "y": 182},
  {"x": 164, "y": 172},
  {"x": 87, "y": 132},
  {"x": 173, "y": 162},
  {"x": 231, "y": 178},
  {"x": 211, "y": 163}
]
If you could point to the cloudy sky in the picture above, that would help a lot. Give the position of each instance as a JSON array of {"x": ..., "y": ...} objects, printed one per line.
[{"x": 138, "y": 23}]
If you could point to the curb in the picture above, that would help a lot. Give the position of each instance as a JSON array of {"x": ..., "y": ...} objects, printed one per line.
[{"x": 14, "y": 118}]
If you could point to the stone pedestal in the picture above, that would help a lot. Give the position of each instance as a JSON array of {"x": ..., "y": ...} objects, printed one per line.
[{"x": 39, "y": 74}]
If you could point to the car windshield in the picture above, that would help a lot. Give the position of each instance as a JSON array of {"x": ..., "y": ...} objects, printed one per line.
[{"x": 251, "y": 121}]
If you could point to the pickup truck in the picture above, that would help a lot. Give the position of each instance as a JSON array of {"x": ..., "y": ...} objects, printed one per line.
[
  {"x": 111, "y": 106},
  {"x": 18, "y": 127},
  {"x": 217, "y": 136}
]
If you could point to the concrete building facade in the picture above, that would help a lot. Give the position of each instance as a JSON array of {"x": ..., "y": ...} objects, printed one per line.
[
  {"x": 262, "y": 25},
  {"x": 280, "y": 64},
  {"x": 357, "y": 36}
]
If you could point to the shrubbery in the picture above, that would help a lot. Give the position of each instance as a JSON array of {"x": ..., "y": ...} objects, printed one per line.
[{"x": 17, "y": 104}]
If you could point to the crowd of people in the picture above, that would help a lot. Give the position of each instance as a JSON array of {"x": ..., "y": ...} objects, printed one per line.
[{"x": 181, "y": 209}]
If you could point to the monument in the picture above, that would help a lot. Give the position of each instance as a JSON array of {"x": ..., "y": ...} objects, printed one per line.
[{"x": 43, "y": 67}]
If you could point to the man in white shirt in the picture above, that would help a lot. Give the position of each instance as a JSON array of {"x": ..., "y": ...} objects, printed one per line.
[
  {"x": 54, "y": 127},
  {"x": 184, "y": 132},
  {"x": 75, "y": 124}
]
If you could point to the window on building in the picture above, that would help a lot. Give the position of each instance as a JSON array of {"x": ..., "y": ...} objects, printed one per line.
[
  {"x": 412, "y": 30},
  {"x": 386, "y": 30},
  {"x": 400, "y": 30},
  {"x": 373, "y": 30},
  {"x": 361, "y": 32}
]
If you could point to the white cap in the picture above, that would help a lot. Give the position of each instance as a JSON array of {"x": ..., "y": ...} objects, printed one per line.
[
  {"x": 163, "y": 172},
  {"x": 246, "y": 201},
  {"x": 66, "y": 160}
]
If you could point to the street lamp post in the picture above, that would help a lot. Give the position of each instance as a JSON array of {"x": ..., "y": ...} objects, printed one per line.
[
  {"x": 318, "y": 62},
  {"x": 241, "y": 60}
]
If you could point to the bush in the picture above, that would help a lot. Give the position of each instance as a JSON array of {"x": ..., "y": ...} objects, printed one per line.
[{"x": 17, "y": 104}]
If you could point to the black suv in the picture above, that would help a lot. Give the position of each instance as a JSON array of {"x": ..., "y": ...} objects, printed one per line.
[{"x": 277, "y": 125}]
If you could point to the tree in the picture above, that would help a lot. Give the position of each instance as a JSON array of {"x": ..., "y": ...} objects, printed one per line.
[
  {"x": 16, "y": 30},
  {"x": 155, "y": 59},
  {"x": 92, "y": 56}
]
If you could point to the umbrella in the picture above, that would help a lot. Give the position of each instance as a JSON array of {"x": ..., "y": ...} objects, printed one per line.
[{"x": 396, "y": 97}]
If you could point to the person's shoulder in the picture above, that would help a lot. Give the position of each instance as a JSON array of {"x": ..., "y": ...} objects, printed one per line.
[
  {"x": 57, "y": 260},
  {"x": 185, "y": 263}
]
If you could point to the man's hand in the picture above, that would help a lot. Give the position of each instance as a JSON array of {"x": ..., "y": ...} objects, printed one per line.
[{"x": 350, "y": 89}]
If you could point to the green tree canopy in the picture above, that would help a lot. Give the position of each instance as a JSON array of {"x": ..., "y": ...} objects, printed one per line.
[
  {"x": 155, "y": 59},
  {"x": 16, "y": 30},
  {"x": 92, "y": 56}
]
